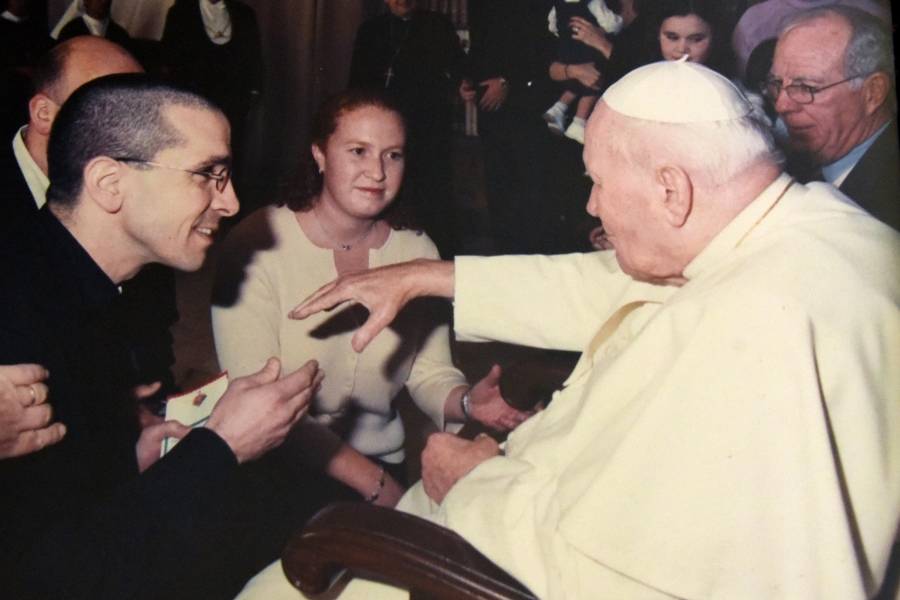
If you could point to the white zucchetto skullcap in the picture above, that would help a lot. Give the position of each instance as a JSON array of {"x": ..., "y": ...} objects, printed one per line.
[{"x": 677, "y": 92}]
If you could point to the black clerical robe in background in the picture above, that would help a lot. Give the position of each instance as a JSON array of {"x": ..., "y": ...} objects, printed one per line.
[
  {"x": 115, "y": 33},
  {"x": 76, "y": 518},
  {"x": 418, "y": 60},
  {"x": 229, "y": 74},
  {"x": 22, "y": 45}
]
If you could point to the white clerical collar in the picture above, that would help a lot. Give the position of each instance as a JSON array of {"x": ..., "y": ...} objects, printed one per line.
[
  {"x": 34, "y": 177},
  {"x": 95, "y": 26},
  {"x": 837, "y": 172},
  {"x": 734, "y": 233},
  {"x": 216, "y": 20},
  {"x": 11, "y": 17}
]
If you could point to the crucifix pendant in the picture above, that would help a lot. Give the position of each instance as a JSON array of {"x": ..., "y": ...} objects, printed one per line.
[{"x": 388, "y": 75}]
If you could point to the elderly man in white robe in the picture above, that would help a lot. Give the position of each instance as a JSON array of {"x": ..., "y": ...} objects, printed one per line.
[{"x": 733, "y": 427}]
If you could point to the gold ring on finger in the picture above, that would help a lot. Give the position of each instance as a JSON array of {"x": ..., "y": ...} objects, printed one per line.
[{"x": 33, "y": 393}]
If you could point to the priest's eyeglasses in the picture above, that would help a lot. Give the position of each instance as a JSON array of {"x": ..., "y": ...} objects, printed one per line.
[
  {"x": 222, "y": 177},
  {"x": 799, "y": 92}
]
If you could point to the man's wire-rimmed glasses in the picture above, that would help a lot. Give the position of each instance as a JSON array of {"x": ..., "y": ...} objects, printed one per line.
[
  {"x": 799, "y": 92},
  {"x": 221, "y": 178}
]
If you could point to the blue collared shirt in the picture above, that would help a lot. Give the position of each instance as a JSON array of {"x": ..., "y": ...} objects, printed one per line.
[{"x": 837, "y": 172}]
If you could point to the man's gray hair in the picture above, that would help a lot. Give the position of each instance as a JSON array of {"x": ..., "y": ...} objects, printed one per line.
[
  {"x": 870, "y": 49},
  {"x": 714, "y": 152}
]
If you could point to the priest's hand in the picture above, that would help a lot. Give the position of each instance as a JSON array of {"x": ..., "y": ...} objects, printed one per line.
[
  {"x": 257, "y": 411},
  {"x": 448, "y": 458},
  {"x": 150, "y": 443},
  {"x": 384, "y": 291},
  {"x": 24, "y": 414}
]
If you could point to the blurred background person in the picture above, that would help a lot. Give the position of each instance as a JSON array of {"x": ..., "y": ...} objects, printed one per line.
[
  {"x": 510, "y": 51},
  {"x": 832, "y": 85},
  {"x": 416, "y": 56},
  {"x": 574, "y": 51},
  {"x": 93, "y": 19},
  {"x": 762, "y": 22},
  {"x": 214, "y": 47},
  {"x": 693, "y": 30}
]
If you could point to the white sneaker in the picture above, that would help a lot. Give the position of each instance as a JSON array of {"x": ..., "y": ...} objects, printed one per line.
[
  {"x": 556, "y": 120},
  {"x": 576, "y": 131}
]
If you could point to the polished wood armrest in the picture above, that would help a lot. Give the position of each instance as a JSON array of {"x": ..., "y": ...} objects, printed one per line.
[{"x": 430, "y": 561}]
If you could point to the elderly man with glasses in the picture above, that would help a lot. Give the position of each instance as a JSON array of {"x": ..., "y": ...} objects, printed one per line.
[{"x": 832, "y": 84}]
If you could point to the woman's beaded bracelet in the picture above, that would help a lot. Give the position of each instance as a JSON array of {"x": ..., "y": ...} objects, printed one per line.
[{"x": 378, "y": 488}]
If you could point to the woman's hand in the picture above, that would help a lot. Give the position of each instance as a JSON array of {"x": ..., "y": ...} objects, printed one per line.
[
  {"x": 494, "y": 95},
  {"x": 586, "y": 74},
  {"x": 351, "y": 467},
  {"x": 488, "y": 407},
  {"x": 591, "y": 35}
]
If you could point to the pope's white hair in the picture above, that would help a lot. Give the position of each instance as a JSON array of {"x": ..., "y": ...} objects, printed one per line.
[{"x": 711, "y": 153}]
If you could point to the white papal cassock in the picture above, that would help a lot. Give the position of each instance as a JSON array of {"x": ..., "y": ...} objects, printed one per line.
[{"x": 737, "y": 437}]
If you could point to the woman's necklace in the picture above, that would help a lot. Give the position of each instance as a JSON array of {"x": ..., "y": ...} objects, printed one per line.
[{"x": 344, "y": 247}]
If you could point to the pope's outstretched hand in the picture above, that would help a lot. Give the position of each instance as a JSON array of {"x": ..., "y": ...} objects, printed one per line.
[{"x": 383, "y": 290}]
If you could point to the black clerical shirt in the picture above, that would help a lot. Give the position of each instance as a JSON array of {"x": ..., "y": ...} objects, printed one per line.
[
  {"x": 76, "y": 520},
  {"x": 147, "y": 307}
]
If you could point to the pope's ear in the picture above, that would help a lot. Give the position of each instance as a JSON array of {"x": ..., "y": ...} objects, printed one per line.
[
  {"x": 103, "y": 183},
  {"x": 41, "y": 113},
  {"x": 679, "y": 194}
]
